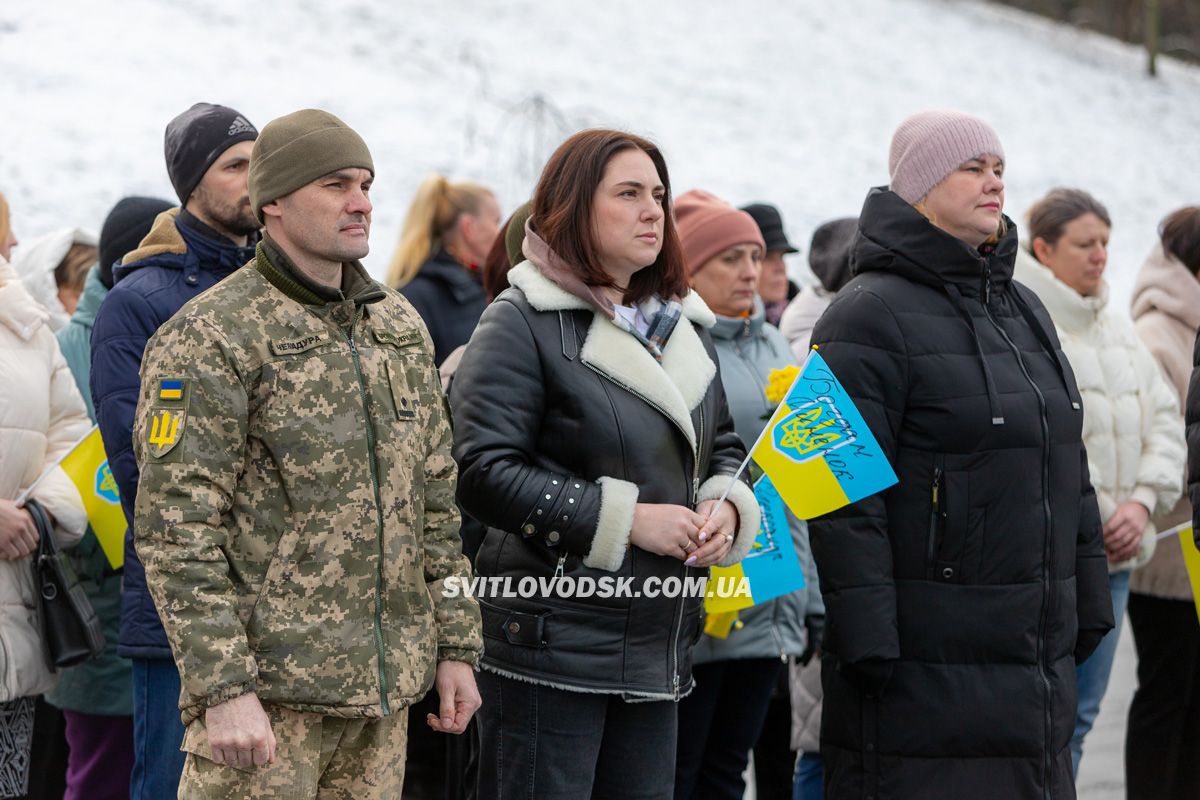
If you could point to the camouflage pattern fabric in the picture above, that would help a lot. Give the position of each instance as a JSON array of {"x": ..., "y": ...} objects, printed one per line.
[
  {"x": 296, "y": 511},
  {"x": 316, "y": 757}
]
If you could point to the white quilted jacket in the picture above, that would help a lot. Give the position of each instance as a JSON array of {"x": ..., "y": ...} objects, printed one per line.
[
  {"x": 41, "y": 417},
  {"x": 1131, "y": 422}
]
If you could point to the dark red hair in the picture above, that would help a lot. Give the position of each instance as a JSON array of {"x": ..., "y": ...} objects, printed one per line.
[{"x": 562, "y": 213}]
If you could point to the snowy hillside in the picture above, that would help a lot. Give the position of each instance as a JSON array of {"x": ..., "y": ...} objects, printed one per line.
[{"x": 788, "y": 102}]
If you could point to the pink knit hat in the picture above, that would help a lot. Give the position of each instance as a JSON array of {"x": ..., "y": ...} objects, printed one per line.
[
  {"x": 930, "y": 145},
  {"x": 708, "y": 225}
]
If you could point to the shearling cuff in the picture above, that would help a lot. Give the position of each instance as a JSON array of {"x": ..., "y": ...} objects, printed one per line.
[
  {"x": 617, "y": 501},
  {"x": 749, "y": 515}
]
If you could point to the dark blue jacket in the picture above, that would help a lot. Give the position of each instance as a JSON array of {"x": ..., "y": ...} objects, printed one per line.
[
  {"x": 450, "y": 298},
  {"x": 175, "y": 262}
]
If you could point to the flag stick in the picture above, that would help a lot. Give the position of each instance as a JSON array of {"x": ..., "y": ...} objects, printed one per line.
[
  {"x": 762, "y": 433},
  {"x": 25, "y": 494},
  {"x": 1172, "y": 531}
]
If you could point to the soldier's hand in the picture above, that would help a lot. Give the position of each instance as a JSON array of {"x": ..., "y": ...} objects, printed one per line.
[
  {"x": 458, "y": 695},
  {"x": 18, "y": 534},
  {"x": 239, "y": 732}
]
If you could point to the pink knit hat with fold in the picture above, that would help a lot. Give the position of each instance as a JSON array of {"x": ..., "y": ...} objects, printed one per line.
[
  {"x": 708, "y": 225},
  {"x": 930, "y": 145}
]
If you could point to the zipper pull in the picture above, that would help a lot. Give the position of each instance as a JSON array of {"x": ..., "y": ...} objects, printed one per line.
[
  {"x": 558, "y": 570},
  {"x": 937, "y": 480}
]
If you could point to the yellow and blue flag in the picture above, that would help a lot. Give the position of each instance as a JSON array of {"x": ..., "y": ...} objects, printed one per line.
[
  {"x": 770, "y": 569},
  {"x": 87, "y": 467},
  {"x": 817, "y": 449}
]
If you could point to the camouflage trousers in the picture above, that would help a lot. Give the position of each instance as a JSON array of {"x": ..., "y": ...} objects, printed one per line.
[{"x": 316, "y": 758}]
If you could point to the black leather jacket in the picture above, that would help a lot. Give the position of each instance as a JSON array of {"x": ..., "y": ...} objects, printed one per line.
[{"x": 562, "y": 423}]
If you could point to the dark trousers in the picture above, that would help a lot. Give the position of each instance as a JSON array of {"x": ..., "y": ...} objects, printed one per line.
[
  {"x": 101, "y": 759},
  {"x": 719, "y": 722},
  {"x": 1162, "y": 740},
  {"x": 542, "y": 743},
  {"x": 48, "y": 759},
  {"x": 774, "y": 758},
  {"x": 439, "y": 766}
]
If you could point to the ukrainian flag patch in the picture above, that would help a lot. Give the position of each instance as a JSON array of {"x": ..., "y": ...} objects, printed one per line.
[{"x": 170, "y": 389}]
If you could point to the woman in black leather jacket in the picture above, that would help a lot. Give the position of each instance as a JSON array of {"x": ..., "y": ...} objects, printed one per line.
[{"x": 593, "y": 439}]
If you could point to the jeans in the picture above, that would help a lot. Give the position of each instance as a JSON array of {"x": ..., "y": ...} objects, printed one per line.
[
  {"x": 555, "y": 744},
  {"x": 810, "y": 777},
  {"x": 1091, "y": 677},
  {"x": 719, "y": 722},
  {"x": 157, "y": 730}
]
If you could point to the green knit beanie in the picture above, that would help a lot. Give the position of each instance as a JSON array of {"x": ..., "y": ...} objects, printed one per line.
[{"x": 298, "y": 148}]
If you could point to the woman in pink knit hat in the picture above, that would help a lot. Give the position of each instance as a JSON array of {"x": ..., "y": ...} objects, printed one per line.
[{"x": 959, "y": 601}]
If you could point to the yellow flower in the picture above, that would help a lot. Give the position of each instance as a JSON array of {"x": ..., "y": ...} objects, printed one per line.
[{"x": 778, "y": 383}]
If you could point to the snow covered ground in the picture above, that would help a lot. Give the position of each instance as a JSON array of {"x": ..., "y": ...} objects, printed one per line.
[{"x": 787, "y": 102}]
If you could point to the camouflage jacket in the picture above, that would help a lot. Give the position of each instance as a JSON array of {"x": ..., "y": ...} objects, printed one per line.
[{"x": 296, "y": 510}]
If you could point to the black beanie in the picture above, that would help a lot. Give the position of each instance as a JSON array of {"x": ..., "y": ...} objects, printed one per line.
[
  {"x": 124, "y": 228},
  {"x": 196, "y": 138}
]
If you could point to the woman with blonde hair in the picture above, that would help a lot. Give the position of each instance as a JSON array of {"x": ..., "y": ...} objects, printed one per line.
[
  {"x": 447, "y": 234},
  {"x": 7, "y": 240}
]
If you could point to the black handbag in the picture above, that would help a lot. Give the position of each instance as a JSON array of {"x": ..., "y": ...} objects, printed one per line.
[{"x": 71, "y": 631}]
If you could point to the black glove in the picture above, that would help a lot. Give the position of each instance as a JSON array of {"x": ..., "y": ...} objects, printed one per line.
[
  {"x": 815, "y": 625},
  {"x": 869, "y": 676}
]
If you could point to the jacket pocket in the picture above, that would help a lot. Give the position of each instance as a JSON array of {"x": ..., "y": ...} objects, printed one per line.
[
  {"x": 949, "y": 527},
  {"x": 936, "y": 517},
  {"x": 517, "y": 628}
]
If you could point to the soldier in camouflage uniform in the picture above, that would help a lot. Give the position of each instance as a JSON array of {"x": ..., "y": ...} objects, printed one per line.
[{"x": 296, "y": 511}]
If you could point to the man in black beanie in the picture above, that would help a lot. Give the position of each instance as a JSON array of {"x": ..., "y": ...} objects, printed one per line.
[{"x": 187, "y": 251}]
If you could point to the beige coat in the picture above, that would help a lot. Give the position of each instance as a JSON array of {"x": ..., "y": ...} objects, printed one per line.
[
  {"x": 41, "y": 417},
  {"x": 800, "y": 317},
  {"x": 1166, "y": 314},
  {"x": 1131, "y": 424}
]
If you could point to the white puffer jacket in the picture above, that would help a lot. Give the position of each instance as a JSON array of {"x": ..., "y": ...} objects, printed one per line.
[
  {"x": 1131, "y": 423},
  {"x": 41, "y": 417},
  {"x": 35, "y": 262}
]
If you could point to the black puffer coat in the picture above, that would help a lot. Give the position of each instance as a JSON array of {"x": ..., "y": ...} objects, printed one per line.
[
  {"x": 954, "y": 599},
  {"x": 562, "y": 423}
]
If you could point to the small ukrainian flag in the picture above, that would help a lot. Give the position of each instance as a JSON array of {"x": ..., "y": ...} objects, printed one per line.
[{"x": 170, "y": 390}]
